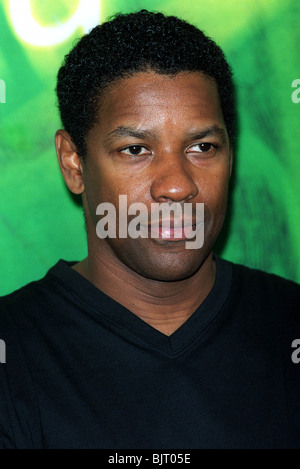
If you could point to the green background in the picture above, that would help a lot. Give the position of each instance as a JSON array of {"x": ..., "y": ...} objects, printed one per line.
[{"x": 40, "y": 223}]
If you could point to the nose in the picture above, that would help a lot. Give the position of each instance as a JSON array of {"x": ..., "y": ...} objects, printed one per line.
[{"x": 172, "y": 180}]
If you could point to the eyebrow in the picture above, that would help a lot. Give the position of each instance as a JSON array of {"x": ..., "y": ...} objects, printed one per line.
[
  {"x": 123, "y": 131},
  {"x": 208, "y": 132}
]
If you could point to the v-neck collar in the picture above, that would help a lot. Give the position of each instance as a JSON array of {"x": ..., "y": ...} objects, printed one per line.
[{"x": 125, "y": 323}]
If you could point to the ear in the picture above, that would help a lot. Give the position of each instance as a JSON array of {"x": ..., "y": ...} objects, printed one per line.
[
  {"x": 69, "y": 161},
  {"x": 230, "y": 159}
]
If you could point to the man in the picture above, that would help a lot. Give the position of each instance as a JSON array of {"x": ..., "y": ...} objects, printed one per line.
[{"x": 149, "y": 342}]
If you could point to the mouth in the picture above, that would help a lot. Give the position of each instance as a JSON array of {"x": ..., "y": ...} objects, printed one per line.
[{"x": 172, "y": 230}]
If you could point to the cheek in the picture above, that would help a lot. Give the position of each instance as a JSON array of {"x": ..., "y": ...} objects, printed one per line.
[
  {"x": 106, "y": 184},
  {"x": 130, "y": 182},
  {"x": 213, "y": 188},
  {"x": 100, "y": 185}
]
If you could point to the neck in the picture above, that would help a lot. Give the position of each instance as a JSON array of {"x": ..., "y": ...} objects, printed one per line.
[{"x": 163, "y": 305}]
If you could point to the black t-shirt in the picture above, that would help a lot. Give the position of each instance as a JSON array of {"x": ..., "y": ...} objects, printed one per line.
[{"x": 82, "y": 371}]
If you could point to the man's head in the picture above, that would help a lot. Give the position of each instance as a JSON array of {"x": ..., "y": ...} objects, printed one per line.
[
  {"x": 147, "y": 106},
  {"x": 128, "y": 44}
]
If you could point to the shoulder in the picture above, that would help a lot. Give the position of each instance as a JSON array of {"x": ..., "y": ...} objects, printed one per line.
[
  {"x": 24, "y": 296},
  {"x": 58, "y": 274},
  {"x": 35, "y": 297},
  {"x": 265, "y": 291},
  {"x": 260, "y": 277}
]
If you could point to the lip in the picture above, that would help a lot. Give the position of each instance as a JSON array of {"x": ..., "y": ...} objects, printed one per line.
[
  {"x": 173, "y": 222},
  {"x": 175, "y": 234},
  {"x": 170, "y": 231}
]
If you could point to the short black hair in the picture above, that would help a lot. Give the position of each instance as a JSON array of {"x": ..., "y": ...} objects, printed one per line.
[{"x": 128, "y": 44}]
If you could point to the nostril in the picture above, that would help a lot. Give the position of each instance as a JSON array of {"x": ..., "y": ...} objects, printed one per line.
[{"x": 175, "y": 187}]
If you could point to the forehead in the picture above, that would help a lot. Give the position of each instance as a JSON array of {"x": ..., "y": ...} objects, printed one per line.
[{"x": 150, "y": 99}]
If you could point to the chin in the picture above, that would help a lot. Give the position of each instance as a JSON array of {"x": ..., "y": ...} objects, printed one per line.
[
  {"x": 167, "y": 270},
  {"x": 167, "y": 263},
  {"x": 169, "y": 276}
]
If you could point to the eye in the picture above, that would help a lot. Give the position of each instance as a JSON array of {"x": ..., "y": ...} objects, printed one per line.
[
  {"x": 135, "y": 150},
  {"x": 203, "y": 147}
]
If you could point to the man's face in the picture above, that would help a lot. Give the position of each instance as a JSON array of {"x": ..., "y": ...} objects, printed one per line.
[{"x": 158, "y": 139}]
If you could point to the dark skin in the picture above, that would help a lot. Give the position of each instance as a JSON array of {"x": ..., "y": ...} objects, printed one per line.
[{"x": 158, "y": 139}]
